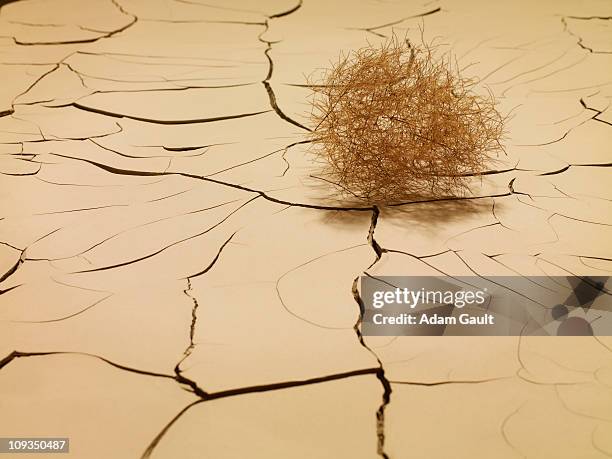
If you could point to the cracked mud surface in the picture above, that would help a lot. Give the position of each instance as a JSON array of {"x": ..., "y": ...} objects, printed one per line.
[{"x": 174, "y": 277}]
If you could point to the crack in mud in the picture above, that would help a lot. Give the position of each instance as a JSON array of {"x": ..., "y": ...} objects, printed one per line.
[
  {"x": 103, "y": 35},
  {"x": 579, "y": 39},
  {"x": 380, "y": 374},
  {"x": 266, "y": 81},
  {"x": 373, "y": 30}
]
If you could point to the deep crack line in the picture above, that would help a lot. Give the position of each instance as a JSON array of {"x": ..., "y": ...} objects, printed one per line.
[
  {"x": 192, "y": 328},
  {"x": 380, "y": 373},
  {"x": 288, "y": 12},
  {"x": 22, "y": 258},
  {"x": 158, "y": 121},
  {"x": 110, "y": 34},
  {"x": 207, "y": 397},
  {"x": 13, "y": 268},
  {"x": 118, "y": 171},
  {"x": 194, "y": 319},
  {"x": 579, "y": 39},
  {"x": 373, "y": 243},
  {"x": 597, "y": 112},
  {"x": 18, "y": 354},
  {"x": 266, "y": 81}
]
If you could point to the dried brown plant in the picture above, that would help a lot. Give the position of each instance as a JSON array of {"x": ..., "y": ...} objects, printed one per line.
[{"x": 396, "y": 122}]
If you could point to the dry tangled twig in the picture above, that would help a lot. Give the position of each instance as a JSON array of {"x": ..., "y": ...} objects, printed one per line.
[{"x": 397, "y": 122}]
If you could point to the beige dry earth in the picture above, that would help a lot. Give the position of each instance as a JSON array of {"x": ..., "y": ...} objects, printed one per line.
[{"x": 176, "y": 284}]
